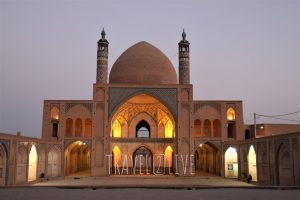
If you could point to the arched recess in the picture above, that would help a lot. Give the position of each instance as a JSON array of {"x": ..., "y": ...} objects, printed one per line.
[
  {"x": 231, "y": 163},
  {"x": 3, "y": 165},
  {"x": 22, "y": 161},
  {"x": 247, "y": 134},
  {"x": 143, "y": 119},
  {"x": 283, "y": 165},
  {"x": 69, "y": 127},
  {"x": 78, "y": 127},
  {"x": 88, "y": 127},
  {"x": 252, "y": 163},
  {"x": 197, "y": 128},
  {"x": 116, "y": 160},
  {"x": 54, "y": 162},
  {"x": 32, "y": 164},
  {"x": 144, "y": 107},
  {"x": 168, "y": 160},
  {"x": 207, "y": 159},
  {"x": 78, "y": 159},
  {"x": 143, "y": 130},
  {"x": 207, "y": 128},
  {"x": 217, "y": 128},
  {"x": 142, "y": 160},
  {"x": 116, "y": 129},
  {"x": 230, "y": 114}
]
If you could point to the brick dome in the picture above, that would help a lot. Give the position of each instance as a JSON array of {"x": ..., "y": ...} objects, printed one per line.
[{"x": 143, "y": 64}]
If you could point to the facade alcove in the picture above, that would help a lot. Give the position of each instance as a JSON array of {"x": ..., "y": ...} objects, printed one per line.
[{"x": 78, "y": 159}]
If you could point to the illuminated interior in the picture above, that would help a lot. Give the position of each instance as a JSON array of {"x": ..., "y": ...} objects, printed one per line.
[
  {"x": 54, "y": 113},
  {"x": 168, "y": 157},
  {"x": 231, "y": 163},
  {"x": 169, "y": 130},
  {"x": 136, "y": 105},
  {"x": 78, "y": 159},
  {"x": 231, "y": 114},
  {"x": 116, "y": 129},
  {"x": 117, "y": 159},
  {"x": 206, "y": 160},
  {"x": 32, "y": 164},
  {"x": 252, "y": 163}
]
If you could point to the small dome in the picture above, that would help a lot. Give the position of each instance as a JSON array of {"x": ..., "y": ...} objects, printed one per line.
[{"x": 143, "y": 64}]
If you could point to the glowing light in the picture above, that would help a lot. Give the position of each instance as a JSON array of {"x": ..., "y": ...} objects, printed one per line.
[
  {"x": 117, "y": 155},
  {"x": 169, "y": 129},
  {"x": 116, "y": 129},
  {"x": 231, "y": 165},
  {"x": 262, "y": 127},
  {"x": 252, "y": 163},
  {"x": 32, "y": 165},
  {"x": 200, "y": 145},
  {"x": 168, "y": 156},
  {"x": 230, "y": 114},
  {"x": 54, "y": 113}
]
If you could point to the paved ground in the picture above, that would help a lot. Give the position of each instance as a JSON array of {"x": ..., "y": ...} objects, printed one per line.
[
  {"x": 163, "y": 181},
  {"x": 52, "y": 193}
]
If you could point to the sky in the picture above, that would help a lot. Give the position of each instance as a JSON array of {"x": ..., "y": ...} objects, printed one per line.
[{"x": 245, "y": 50}]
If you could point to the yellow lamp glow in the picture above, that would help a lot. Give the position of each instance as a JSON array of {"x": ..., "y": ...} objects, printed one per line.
[
  {"x": 168, "y": 156},
  {"x": 117, "y": 155},
  {"x": 116, "y": 129},
  {"x": 230, "y": 114},
  {"x": 169, "y": 129}
]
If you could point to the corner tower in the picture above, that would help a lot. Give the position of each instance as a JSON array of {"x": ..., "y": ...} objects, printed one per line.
[
  {"x": 184, "y": 60},
  {"x": 102, "y": 59}
]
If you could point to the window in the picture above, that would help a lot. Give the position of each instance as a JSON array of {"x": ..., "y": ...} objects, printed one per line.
[
  {"x": 169, "y": 129},
  {"x": 230, "y": 114},
  {"x": 143, "y": 129},
  {"x": 116, "y": 129},
  {"x": 55, "y": 113},
  {"x": 207, "y": 128},
  {"x": 55, "y": 126}
]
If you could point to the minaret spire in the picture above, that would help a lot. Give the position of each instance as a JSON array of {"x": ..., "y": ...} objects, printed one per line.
[
  {"x": 184, "y": 60},
  {"x": 102, "y": 59}
]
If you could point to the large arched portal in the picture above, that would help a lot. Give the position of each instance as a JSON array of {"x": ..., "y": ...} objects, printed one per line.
[
  {"x": 32, "y": 164},
  {"x": 78, "y": 159},
  {"x": 207, "y": 160},
  {"x": 252, "y": 163},
  {"x": 142, "y": 116},
  {"x": 231, "y": 163}
]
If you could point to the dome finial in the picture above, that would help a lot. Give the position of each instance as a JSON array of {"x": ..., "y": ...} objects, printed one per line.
[
  {"x": 103, "y": 33},
  {"x": 183, "y": 35}
]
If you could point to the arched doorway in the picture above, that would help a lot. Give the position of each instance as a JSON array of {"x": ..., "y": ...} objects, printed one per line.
[
  {"x": 207, "y": 160},
  {"x": 78, "y": 159},
  {"x": 116, "y": 160},
  {"x": 252, "y": 163},
  {"x": 3, "y": 165},
  {"x": 168, "y": 160},
  {"x": 32, "y": 164},
  {"x": 143, "y": 161},
  {"x": 283, "y": 166},
  {"x": 54, "y": 162},
  {"x": 142, "y": 129},
  {"x": 231, "y": 163},
  {"x": 22, "y": 161}
]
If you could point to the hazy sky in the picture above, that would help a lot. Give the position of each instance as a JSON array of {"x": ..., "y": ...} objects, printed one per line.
[{"x": 240, "y": 50}]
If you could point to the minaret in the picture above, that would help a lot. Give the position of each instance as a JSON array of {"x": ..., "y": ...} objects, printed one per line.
[
  {"x": 184, "y": 60},
  {"x": 102, "y": 59}
]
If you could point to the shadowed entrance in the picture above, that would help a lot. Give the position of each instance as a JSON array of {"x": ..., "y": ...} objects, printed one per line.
[{"x": 78, "y": 159}]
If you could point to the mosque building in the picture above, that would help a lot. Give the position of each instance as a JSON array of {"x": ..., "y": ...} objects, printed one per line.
[{"x": 143, "y": 119}]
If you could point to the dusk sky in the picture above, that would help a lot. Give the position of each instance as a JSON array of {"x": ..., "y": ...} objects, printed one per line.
[{"x": 240, "y": 50}]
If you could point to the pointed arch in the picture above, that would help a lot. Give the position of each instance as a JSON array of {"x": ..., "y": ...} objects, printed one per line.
[
  {"x": 116, "y": 157},
  {"x": 252, "y": 163},
  {"x": 32, "y": 164},
  {"x": 169, "y": 129},
  {"x": 116, "y": 129},
  {"x": 231, "y": 163},
  {"x": 197, "y": 128},
  {"x": 230, "y": 114},
  {"x": 168, "y": 159},
  {"x": 69, "y": 127},
  {"x": 88, "y": 127},
  {"x": 78, "y": 127}
]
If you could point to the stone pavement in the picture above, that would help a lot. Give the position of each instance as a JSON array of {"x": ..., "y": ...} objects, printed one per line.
[{"x": 146, "y": 181}]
